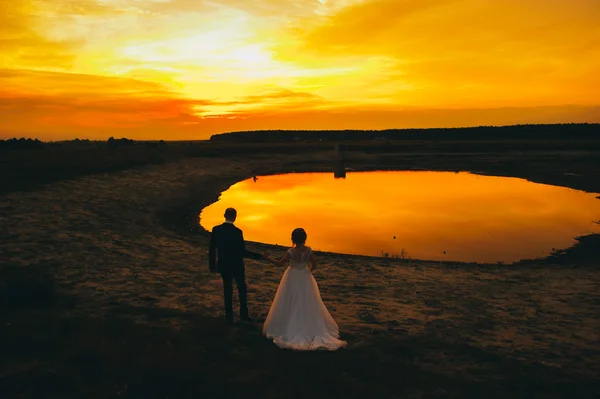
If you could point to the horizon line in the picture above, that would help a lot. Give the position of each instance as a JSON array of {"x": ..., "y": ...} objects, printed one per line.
[{"x": 316, "y": 130}]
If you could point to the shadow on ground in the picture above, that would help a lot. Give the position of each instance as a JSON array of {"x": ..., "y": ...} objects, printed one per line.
[{"x": 51, "y": 350}]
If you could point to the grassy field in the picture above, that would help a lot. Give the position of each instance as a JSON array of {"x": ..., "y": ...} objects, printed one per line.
[
  {"x": 24, "y": 169},
  {"x": 106, "y": 290}
]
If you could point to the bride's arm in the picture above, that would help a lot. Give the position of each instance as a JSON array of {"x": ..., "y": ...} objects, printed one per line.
[
  {"x": 281, "y": 261},
  {"x": 313, "y": 262}
]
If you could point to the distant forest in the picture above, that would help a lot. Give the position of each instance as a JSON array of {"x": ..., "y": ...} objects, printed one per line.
[
  {"x": 571, "y": 131},
  {"x": 28, "y": 144}
]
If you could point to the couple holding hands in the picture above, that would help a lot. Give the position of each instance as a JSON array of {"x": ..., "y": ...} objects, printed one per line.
[{"x": 297, "y": 319}]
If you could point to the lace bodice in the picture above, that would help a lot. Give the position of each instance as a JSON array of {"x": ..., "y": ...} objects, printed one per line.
[{"x": 299, "y": 259}]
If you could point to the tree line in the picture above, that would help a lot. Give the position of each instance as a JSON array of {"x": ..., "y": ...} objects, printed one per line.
[
  {"x": 29, "y": 143},
  {"x": 568, "y": 131}
]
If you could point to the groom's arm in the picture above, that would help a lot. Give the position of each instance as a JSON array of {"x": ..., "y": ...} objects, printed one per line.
[{"x": 249, "y": 254}]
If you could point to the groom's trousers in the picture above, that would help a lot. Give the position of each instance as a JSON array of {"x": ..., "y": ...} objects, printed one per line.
[{"x": 239, "y": 276}]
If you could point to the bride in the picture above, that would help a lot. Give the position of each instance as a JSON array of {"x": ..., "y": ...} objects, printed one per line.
[{"x": 298, "y": 319}]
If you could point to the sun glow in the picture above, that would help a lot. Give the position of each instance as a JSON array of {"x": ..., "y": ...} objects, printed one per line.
[{"x": 231, "y": 65}]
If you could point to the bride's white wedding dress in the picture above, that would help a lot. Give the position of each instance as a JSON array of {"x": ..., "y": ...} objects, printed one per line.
[{"x": 298, "y": 319}]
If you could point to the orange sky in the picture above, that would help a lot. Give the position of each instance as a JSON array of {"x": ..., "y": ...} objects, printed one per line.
[{"x": 185, "y": 69}]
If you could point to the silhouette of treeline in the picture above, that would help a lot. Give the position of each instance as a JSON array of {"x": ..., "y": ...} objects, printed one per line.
[
  {"x": 28, "y": 144},
  {"x": 571, "y": 131},
  {"x": 125, "y": 142},
  {"x": 22, "y": 143}
]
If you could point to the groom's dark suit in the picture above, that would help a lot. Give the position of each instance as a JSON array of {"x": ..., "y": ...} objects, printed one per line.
[{"x": 226, "y": 253}]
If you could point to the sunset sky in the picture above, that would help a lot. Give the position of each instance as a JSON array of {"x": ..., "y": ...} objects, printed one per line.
[{"x": 186, "y": 69}]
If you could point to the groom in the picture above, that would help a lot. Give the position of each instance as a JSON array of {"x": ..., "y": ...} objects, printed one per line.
[{"x": 226, "y": 253}]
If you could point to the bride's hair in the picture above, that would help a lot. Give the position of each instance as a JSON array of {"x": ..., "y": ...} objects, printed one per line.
[{"x": 299, "y": 236}]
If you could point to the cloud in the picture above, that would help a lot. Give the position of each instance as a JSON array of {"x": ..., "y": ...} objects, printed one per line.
[
  {"x": 547, "y": 49},
  {"x": 453, "y": 26},
  {"x": 277, "y": 97},
  {"x": 34, "y": 100},
  {"x": 90, "y": 105},
  {"x": 264, "y": 8},
  {"x": 22, "y": 45},
  {"x": 123, "y": 112}
]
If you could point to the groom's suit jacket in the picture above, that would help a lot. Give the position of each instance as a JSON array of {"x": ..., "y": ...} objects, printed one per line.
[{"x": 227, "y": 249}]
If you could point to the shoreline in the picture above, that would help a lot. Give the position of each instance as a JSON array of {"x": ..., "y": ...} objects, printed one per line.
[{"x": 191, "y": 222}]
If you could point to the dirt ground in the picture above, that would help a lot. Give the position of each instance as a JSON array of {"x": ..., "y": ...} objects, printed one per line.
[{"x": 107, "y": 293}]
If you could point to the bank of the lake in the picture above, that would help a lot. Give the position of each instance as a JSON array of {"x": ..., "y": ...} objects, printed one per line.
[{"x": 128, "y": 306}]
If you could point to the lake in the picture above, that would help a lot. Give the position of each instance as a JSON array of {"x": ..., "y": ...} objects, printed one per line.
[{"x": 420, "y": 215}]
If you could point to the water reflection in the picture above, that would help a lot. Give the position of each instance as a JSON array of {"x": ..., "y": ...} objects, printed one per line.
[
  {"x": 339, "y": 170},
  {"x": 424, "y": 215}
]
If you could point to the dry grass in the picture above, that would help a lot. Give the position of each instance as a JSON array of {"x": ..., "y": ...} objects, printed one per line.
[{"x": 107, "y": 293}]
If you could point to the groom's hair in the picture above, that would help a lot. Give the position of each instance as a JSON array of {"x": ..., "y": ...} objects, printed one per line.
[
  {"x": 230, "y": 214},
  {"x": 299, "y": 236}
]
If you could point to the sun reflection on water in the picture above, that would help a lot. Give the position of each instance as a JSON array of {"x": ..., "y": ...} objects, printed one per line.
[{"x": 422, "y": 215}]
